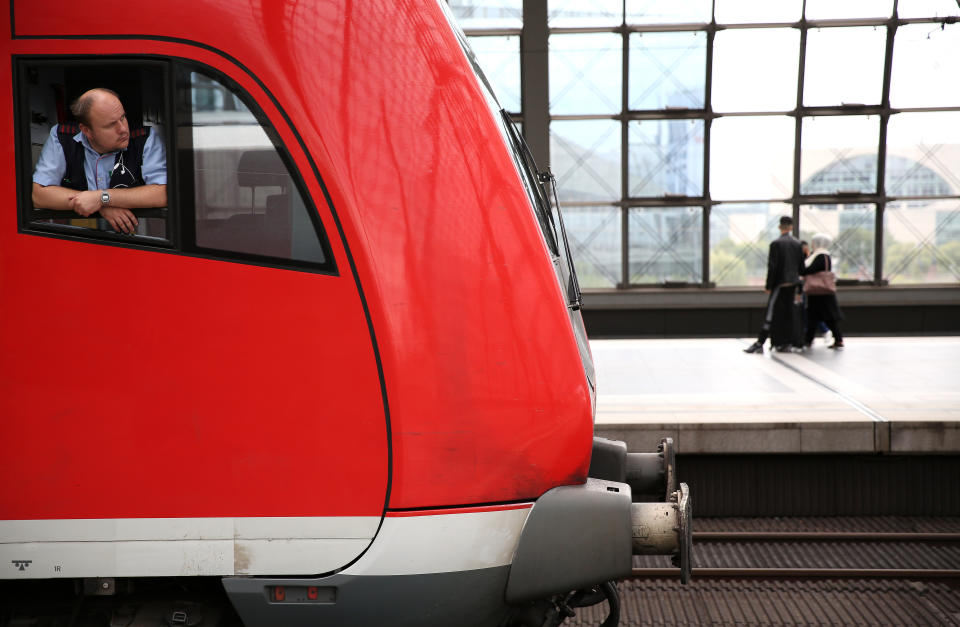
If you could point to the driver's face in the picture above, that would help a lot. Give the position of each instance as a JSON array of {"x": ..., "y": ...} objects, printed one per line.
[{"x": 108, "y": 130}]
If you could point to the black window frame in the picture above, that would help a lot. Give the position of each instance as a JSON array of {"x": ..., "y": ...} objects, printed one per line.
[{"x": 180, "y": 211}]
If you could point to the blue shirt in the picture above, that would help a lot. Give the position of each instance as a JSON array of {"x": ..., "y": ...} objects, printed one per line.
[{"x": 52, "y": 164}]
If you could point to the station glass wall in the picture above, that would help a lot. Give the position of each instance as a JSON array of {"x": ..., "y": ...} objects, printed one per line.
[{"x": 681, "y": 131}]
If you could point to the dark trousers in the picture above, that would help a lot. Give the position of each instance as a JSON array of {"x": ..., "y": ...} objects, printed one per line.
[{"x": 814, "y": 322}]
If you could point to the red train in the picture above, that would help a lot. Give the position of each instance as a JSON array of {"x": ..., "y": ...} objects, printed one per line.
[{"x": 341, "y": 373}]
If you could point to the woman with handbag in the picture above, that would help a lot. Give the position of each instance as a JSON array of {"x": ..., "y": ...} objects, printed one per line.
[{"x": 819, "y": 284}]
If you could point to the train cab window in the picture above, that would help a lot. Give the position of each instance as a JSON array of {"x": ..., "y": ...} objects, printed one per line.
[
  {"x": 229, "y": 186},
  {"x": 244, "y": 199},
  {"x": 131, "y": 151}
]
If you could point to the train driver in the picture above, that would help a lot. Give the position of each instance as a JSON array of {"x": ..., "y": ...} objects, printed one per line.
[{"x": 102, "y": 165}]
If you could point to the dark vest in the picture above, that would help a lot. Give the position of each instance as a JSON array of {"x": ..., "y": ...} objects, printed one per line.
[{"x": 130, "y": 175}]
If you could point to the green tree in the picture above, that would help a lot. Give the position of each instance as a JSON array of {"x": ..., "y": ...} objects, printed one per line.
[
  {"x": 736, "y": 264},
  {"x": 950, "y": 251},
  {"x": 894, "y": 261},
  {"x": 727, "y": 268},
  {"x": 853, "y": 253}
]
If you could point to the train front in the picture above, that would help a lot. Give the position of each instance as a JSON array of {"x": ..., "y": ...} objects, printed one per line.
[{"x": 502, "y": 509}]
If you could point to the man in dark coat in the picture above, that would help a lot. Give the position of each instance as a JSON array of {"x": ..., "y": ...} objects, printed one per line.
[{"x": 783, "y": 281}]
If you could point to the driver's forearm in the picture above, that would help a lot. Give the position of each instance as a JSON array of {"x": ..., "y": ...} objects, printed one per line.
[
  {"x": 52, "y": 197},
  {"x": 139, "y": 197}
]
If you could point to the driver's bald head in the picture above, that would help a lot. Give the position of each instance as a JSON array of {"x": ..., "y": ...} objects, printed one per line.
[{"x": 81, "y": 106}]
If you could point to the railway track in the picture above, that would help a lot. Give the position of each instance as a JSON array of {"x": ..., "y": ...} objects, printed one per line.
[
  {"x": 804, "y": 573},
  {"x": 850, "y": 543},
  {"x": 827, "y": 571}
]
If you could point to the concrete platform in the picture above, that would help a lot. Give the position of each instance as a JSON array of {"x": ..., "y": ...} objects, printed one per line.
[{"x": 878, "y": 395}]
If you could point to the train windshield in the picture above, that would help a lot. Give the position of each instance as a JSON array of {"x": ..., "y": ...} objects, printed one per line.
[
  {"x": 541, "y": 186},
  {"x": 542, "y": 189}
]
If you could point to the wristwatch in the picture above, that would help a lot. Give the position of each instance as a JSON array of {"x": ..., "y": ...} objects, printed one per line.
[{"x": 104, "y": 198}]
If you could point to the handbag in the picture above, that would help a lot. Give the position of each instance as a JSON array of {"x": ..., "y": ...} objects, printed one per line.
[{"x": 823, "y": 282}]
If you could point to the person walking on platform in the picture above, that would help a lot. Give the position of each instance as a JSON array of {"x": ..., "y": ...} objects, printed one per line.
[
  {"x": 821, "y": 306},
  {"x": 784, "y": 263}
]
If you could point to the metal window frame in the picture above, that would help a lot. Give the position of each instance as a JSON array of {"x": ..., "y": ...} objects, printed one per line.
[{"x": 534, "y": 78}]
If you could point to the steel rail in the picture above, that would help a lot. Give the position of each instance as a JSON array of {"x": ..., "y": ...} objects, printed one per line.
[
  {"x": 822, "y": 536},
  {"x": 797, "y": 573}
]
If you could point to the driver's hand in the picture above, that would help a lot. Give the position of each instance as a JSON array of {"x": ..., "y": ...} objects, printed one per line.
[
  {"x": 86, "y": 203},
  {"x": 120, "y": 219}
]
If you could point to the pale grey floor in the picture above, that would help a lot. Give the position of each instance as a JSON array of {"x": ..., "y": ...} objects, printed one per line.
[{"x": 713, "y": 380}]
